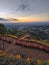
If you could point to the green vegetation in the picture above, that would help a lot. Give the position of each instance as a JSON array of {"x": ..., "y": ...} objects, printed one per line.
[
  {"x": 38, "y": 33},
  {"x": 2, "y": 29},
  {"x": 35, "y": 35},
  {"x": 13, "y": 31},
  {"x": 11, "y": 59}
]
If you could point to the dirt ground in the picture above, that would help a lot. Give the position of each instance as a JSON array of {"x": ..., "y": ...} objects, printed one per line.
[{"x": 26, "y": 52}]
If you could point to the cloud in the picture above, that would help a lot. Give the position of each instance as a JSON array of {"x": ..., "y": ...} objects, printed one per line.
[
  {"x": 9, "y": 20},
  {"x": 13, "y": 19},
  {"x": 2, "y": 19},
  {"x": 22, "y": 7}
]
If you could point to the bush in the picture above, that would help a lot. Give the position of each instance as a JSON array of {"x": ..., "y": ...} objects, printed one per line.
[{"x": 10, "y": 59}]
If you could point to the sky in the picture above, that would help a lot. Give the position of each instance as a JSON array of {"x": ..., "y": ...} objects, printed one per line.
[{"x": 24, "y": 11}]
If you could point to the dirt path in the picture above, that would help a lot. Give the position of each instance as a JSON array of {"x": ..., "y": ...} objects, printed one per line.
[{"x": 26, "y": 52}]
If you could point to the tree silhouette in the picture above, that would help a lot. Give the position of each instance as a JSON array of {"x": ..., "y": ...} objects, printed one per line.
[{"x": 2, "y": 29}]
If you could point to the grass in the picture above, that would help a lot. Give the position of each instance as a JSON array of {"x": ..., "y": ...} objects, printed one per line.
[{"x": 11, "y": 59}]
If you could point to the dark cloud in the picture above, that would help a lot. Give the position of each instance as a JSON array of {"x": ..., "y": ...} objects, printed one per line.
[
  {"x": 2, "y": 19},
  {"x": 10, "y": 19},
  {"x": 13, "y": 19},
  {"x": 23, "y": 7}
]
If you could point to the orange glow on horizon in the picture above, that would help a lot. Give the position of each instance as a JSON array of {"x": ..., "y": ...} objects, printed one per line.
[
  {"x": 38, "y": 18},
  {"x": 33, "y": 19}
]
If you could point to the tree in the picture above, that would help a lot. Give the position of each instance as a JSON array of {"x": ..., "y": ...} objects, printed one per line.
[
  {"x": 2, "y": 29},
  {"x": 12, "y": 31}
]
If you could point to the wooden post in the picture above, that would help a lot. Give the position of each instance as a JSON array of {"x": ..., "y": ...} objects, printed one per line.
[
  {"x": 3, "y": 46},
  {"x": 0, "y": 44}
]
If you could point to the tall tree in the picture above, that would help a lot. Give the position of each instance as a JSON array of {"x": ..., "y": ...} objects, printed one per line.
[{"x": 2, "y": 29}]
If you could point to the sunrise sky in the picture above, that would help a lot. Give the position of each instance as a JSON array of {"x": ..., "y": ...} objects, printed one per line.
[{"x": 24, "y": 11}]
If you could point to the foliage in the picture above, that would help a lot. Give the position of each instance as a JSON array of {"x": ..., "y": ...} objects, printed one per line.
[
  {"x": 10, "y": 59},
  {"x": 2, "y": 29}
]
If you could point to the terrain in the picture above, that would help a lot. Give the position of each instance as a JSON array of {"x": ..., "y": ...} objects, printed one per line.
[{"x": 28, "y": 41}]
